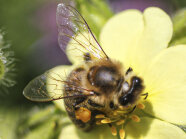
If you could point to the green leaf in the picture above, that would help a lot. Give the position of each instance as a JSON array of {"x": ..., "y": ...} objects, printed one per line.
[
  {"x": 45, "y": 123},
  {"x": 95, "y": 12},
  {"x": 8, "y": 120},
  {"x": 179, "y": 25},
  {"x": 179, "y": 3}
]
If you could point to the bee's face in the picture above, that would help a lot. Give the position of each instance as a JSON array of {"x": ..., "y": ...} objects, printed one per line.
[{"x": 130, "y": 94}]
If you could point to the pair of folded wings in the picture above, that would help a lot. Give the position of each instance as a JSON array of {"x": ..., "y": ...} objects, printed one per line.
[{"x": 73, "y": 30}]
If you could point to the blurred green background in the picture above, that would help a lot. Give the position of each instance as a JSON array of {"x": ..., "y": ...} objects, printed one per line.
[{"x": 30, "y": 28}]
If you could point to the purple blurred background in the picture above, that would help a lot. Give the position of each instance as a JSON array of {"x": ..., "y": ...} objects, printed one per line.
[{"x": 119, "y": 5}]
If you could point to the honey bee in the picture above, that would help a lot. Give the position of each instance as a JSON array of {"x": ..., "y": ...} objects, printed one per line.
[{"x": 98, "y": 91}]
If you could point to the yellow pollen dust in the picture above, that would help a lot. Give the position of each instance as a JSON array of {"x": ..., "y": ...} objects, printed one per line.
[
  {"x": 106, "y": 121},
  {"x": 120, "y": 122},
  {"x": 113, "y": 130},
  {"x": 141, "y": 106},
  {"x": 135, "y": 118},
  {"x": 122, "y": 133}
]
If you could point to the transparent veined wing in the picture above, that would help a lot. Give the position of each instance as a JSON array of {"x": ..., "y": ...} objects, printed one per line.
[
  {"x": 50, "y": 86},
  {"x": 74, "y": 30},
  {"x": 37, "y": 89}
]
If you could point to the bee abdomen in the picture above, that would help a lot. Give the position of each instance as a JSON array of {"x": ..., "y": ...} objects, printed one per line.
[{"x": 76, "y": 105}]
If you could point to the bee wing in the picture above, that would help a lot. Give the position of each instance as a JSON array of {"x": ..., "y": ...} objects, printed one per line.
[
  {"x": 73, "y": 29},
  {"x": 37, "y": 89},
  {"x": 50, "y": 86}
]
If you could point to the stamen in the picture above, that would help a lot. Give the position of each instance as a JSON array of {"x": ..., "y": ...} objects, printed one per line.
[
  {"x": 106, "y": 121},
  {"x": 120, "y": 122},
  {"x": 122, "y": 133},
  {"x": 100, "y": 116},
  {"x": 141, "y": 106},
  {"x": 113, "y": 130},
  {"x": 135, "y": 118}
]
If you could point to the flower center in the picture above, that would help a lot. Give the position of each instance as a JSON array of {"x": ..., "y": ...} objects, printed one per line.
[{"x": 120, "y": 121}]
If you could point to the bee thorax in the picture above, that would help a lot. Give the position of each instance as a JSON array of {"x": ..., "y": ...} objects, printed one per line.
[{"x": 104, "y": 77}]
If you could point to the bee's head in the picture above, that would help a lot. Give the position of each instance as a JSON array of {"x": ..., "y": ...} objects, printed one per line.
[{"x": 129, "y": 94}]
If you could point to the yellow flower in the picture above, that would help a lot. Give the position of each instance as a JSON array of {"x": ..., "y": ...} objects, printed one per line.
[{"x": 140, "y": 41}]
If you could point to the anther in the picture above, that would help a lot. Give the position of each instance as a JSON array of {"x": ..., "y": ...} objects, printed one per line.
[
  {"x": 100, "y": 116},
  {"x": 141, "y": 106},
  {"x": 120, "y": 122},
  {"x": 106, "y": 121},
  {"x": 113, "y": 130},
  {"x": 135, "y": 118},
  {"x": 122, "y": 133}
]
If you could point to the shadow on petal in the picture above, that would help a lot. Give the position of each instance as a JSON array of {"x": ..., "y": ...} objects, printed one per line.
[
  {"x": 132, "y": 128},
  {"x": 157, "y": 130}
]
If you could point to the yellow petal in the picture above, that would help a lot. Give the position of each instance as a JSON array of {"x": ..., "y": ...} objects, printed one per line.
[
  {"x": 156, "y": 36},
  {"x": 99, "y": 132},
  {"x": 59, "y": 73},
  {"x": 165, "y": 81},
  {"x": 149, "y": 128},
  {"x": 134, "y": 38},
  {"x": 121, "y": 33}
]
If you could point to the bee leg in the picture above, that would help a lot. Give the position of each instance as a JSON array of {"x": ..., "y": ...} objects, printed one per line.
[
  {"x": 87, "y": 57},
  {"x": 146, "y": 95},
  {"x": 93, "y": 104},
  {"x": 78, "y": 101},
  {"x": 132, "y": 110}
]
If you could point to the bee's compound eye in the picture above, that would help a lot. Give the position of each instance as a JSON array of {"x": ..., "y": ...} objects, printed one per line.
[
  {"x": 126, "y": 99},
  {"x": 136, "y": 81}
]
